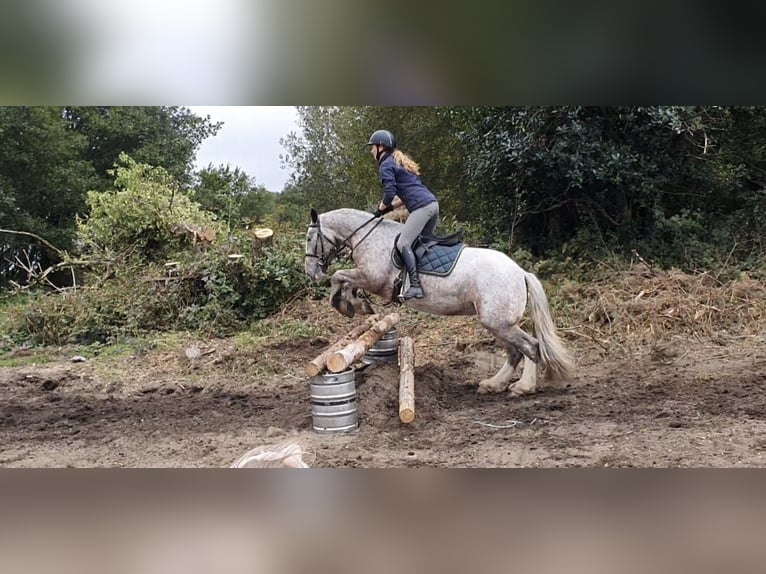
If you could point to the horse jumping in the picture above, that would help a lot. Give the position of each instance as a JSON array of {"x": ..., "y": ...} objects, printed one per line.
[{"x": 483, "y": 282}]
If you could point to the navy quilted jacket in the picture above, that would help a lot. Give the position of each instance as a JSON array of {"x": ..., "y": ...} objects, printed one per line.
[{"x": 398, "y": 181}]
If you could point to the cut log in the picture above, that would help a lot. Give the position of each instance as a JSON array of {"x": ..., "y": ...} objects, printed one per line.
[
  {"x": 343, "y": 358},
  {"x": 207, "y": 234},
  {"x": 406, "y": 380},
  {"x": 202, "y": 237},
  {"x": 319, "y": 363}
]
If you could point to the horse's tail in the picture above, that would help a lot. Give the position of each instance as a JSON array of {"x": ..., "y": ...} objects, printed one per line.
[{"x": 553, "y": 355}]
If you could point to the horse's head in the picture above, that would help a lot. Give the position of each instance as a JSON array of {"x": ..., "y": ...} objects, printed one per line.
[{"x": 322, "y": 247}]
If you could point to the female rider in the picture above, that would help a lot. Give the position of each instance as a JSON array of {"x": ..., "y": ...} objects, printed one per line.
[{"x": 400, "y": 176}]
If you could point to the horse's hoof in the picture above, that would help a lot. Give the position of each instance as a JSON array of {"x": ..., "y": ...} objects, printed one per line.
[
  {"x": 346, "y": 308},
  {"x": 517, "y": 391},
  {"x": 486, "y": 388}
]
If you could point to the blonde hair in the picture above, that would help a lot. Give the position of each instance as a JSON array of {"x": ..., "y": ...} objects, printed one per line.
[{"x": 406, "y": 161}]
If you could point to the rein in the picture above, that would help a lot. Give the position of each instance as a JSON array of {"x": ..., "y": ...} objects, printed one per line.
[{"x": 336, "y": 252}]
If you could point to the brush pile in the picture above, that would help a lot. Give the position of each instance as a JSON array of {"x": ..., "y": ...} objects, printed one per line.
[{"x": 642, "y": 306}]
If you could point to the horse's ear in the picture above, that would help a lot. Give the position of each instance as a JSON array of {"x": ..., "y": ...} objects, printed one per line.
[{"x": 314, "y": 215}]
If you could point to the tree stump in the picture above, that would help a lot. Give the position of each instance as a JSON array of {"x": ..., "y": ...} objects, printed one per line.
[{"x": 262, "y": 237}]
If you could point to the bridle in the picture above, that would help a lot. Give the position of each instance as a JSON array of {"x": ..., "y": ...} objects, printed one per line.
[{"x": 325, "y": 258}]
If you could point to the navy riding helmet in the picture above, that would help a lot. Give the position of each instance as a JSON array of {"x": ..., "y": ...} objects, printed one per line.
[{"x": 384, "y": 138}]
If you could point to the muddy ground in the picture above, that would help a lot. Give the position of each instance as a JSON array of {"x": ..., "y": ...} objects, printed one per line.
[{"x": 687, "y": 402}]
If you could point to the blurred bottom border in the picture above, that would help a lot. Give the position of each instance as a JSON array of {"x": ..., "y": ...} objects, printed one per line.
[{"x": 284, "y": 521}]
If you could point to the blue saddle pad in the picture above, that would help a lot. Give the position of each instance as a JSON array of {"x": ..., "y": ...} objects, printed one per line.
[{"x": 432, "y": 260}]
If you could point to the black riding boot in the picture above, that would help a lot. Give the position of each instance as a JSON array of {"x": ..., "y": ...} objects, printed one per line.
[{"x": 411, "y": 265}]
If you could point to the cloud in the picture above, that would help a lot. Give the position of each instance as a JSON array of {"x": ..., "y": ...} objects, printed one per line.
[{"x": 249, "y": 139}]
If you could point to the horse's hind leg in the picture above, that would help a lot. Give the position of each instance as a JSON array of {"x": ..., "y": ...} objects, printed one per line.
[
  {"x": 527, "y": 384},
  {"x": 518, "y": 345},
  {"x": 529, "y": 346},
  {"x": 500, "y": 382}
]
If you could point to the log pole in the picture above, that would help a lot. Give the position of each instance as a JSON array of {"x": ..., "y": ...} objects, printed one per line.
[
  {"x": 319, "y": 363},
  {"x": 406, "y": 380},
  {"x": 341, "y": 359}
]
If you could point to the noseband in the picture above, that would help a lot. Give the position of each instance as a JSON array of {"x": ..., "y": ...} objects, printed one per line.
[{"x": 337, "y": 249}]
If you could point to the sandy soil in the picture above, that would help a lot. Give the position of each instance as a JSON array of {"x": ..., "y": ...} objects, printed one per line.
[{"x": 689, "y": 402}]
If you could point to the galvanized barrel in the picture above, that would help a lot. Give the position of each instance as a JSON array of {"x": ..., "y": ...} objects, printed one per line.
[
  {"x": 386, "y": 349},
  {"x": 333, "y": 402}
]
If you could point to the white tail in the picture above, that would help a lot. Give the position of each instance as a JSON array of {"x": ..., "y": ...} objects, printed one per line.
[{"x": 554, "y": 357}]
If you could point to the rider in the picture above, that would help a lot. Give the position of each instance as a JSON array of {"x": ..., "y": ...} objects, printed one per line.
[{"x": 400, "y": 176}]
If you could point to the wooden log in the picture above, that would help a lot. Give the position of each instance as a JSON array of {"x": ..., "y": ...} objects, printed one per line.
[
  {"x": 319, "y": 363},
  {"x": 406, "y": 380},
  {"x": 202, "y": 237},
  {"x": 341, "y": 359}
]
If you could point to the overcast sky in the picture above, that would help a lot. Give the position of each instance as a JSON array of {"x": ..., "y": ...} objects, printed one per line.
[{"x": 249, "y": 139}]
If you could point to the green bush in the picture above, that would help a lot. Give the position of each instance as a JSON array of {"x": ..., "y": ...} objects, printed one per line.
[
  {"x": 145, "y": 212},
  {"x": 209, "y": 292}
]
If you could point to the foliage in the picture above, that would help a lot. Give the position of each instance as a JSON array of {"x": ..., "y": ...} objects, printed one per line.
[
  {"x": 683, "y": 185},
  {"x": 210, "y": 292},
  {"x": 567, "y": 191},
  {"x": 145, "y": 211},
  {"x": 43, "y": 178},
  {"x": 162, "y": 136},
  {"x": 232, "y": 196},
  {"x": 51, "y": 156}
]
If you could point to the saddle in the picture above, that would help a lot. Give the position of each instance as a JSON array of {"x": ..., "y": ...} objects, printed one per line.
[{"x": 435, "y": 255}]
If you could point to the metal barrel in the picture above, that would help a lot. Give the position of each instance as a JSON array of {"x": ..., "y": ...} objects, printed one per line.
[
  {"x": 333, "y": 402},
  {"x": 386, "y": 349}
]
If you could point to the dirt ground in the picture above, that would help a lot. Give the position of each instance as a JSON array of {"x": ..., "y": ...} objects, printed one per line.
[{"x": 689, "y": 402}]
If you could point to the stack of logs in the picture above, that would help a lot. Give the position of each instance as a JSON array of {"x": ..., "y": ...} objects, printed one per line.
[{"x": 352, "y": 347}]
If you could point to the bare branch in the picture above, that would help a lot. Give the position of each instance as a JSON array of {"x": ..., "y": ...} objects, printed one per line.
[{"x": 45, "y": 242}]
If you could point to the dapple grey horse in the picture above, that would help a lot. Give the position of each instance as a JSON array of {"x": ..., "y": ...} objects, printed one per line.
[{"x": 483, "y": 282}]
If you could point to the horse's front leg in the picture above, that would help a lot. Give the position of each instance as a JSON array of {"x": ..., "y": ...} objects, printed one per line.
[{"x": 344, "y": 286}]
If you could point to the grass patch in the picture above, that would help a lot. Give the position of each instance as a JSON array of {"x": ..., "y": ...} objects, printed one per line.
[
  {"x": 8, "y": 362},
  {"x": 275, "y": 331}
]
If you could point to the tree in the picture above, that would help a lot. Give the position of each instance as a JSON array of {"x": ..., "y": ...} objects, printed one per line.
[
  {"x": 542, "y": 174},
  {"x": 51, "y": 156},
  {"x": 43, "y": 179},
  {"x": 232, "y": 195},
  {"x": 162, "y": 136}
]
